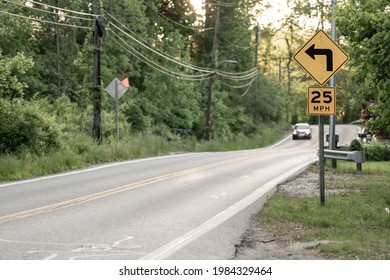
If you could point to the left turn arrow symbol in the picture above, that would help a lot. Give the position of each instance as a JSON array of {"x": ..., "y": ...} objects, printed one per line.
[{"x": 312, "y": 52}]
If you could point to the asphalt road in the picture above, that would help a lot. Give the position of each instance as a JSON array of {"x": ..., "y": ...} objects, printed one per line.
[{"x": 184, "y": 206}]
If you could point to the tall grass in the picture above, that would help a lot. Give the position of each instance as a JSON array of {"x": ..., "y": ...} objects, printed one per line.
[
  {"x": 356, "y": 222},
  {"x": 266, "y": 137},
  {"x": 80, "y": 151}
]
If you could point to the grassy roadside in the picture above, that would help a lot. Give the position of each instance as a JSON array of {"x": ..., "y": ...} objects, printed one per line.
[
  {"x": 82, "y": 151},
  {"x": 354, "y": 220}
]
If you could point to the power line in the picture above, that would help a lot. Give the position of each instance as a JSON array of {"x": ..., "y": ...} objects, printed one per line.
[
  {"x": 62, "y": 9},
  {"x": 177, "y": 23},
  {"x": 207, "y": 72},
  {"x": 240, "y": 86},
  {"x": 196, "y": 68},
  {"x": 239, "y": 78},
  {"x": 155, "y": 65},
  {"x": 45, "y": 21},
  {"x": 46, "y": 11},
  {"x": 237, "y": 46}
]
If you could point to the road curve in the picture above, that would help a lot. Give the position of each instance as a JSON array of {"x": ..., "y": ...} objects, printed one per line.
[{"x": 185, "y": 206}]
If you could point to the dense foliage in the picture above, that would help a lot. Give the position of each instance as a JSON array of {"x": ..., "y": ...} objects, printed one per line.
[
  {"x": 169, "y": 53},
  {"x": 163, "y": 47},
  {"x": 366, "y": 26}
]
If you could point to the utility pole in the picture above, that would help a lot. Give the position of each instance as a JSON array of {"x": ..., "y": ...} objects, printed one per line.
[
  {"x": 258, "y": 34},
  {"x": 97, "y": 82},
  {"x": 212, "y": 79},
  {"x": 57, "y": 36}
]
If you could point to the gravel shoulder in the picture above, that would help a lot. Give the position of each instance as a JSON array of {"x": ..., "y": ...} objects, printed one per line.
[{"x": 260, "y": 244}]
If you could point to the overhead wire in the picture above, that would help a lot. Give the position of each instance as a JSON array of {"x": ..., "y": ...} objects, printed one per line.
[
  {"x": 240, "y": 86},
  {"x": 206, "y": 72},
  {"x": 46, "y": 11},
  {"x": 46, "y": 21},
  {"x": 62, "y": 9},
  {"x": 189, "y": 66},
  {"x": 237, "y": 76},
  {"x": 177, "y": 23},
  {"x": 237, "y": 46},
  {"x": 233, "y": 76},
  {"x": 154, "y": 65}
]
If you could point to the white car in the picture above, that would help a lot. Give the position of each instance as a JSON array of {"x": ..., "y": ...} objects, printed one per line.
[{"x": 301, "y": 131}]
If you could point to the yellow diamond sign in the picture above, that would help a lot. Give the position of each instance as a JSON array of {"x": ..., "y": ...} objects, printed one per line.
[{"x": 321, "y": 57}]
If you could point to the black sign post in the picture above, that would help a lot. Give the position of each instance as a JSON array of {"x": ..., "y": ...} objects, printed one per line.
[{"x": 321, "y": 159}]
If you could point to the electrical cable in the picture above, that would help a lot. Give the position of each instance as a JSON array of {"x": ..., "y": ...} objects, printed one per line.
[
  {"x": 228, "y": 75},
  {"x": 250, "y": 85},
  {"x": 45, "y": 11},
  {"x": 156, "y": 66},
  {"x": 237, "y": 46},
  {"x": 148, "y": 46},
  {"x": 205, "y": 70},
  {"x": 46, "y": 21},
  {"x": 238, "y": 76},
  {"x": 62, "y": 9},
  {"x": 177, "y": 23},
  {"x": 208, "y": 73},
  {"x": 241, "y": 86}
]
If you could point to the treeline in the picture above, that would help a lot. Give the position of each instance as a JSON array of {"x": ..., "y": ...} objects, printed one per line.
[
  {"x": 172, "y": 57},
  {"x": 167, "y": 51}
]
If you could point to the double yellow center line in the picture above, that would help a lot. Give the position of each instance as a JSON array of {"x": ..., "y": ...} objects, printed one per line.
[{"x": 94, "y": 196}]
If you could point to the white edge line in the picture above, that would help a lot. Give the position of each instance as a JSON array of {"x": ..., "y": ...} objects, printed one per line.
[
  {"x": 280, "y": 142},
  {"x": 170, "y": 248}
]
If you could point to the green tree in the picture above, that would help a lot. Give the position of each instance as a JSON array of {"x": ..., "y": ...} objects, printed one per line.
[
  {"x": 11, "y": 71},
  {"x": 51, "y": 33},
  {"x": 366, "y": 26}
]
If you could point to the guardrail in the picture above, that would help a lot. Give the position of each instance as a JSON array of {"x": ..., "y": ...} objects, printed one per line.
[{"x": 357, "y": 156}]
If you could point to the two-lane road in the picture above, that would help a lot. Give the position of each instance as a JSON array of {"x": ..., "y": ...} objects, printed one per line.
[{"x": 185, "y": 206}]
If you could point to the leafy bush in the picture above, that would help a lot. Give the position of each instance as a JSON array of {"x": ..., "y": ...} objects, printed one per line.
[
  {"x": 136, "y": 118},
  {"x": 376, "y": 151},
  {"x": 25, "y": 128},
  {"x": 356, "y": 146}
]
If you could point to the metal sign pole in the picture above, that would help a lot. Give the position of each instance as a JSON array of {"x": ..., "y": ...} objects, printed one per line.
[
  {"x": 321, "y": 159},
  {"x": 332, "y": 118},
  {"x": 116, "y": 110},
  {"x": 116, "y": 89}
]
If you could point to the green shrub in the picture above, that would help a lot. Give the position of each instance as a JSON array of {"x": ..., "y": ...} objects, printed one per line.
[
  {"x": 376, "y": 151},
  {"x": 356, "y": 146},
  {"x": 25, "y": 128}
]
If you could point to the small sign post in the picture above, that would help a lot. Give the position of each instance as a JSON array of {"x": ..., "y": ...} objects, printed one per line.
[{"x": 116, "y": 89}]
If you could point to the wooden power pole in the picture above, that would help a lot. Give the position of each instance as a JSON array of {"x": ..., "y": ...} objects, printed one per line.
[
  {"x": 97, "y": 82},
  {"x": 212, "y": 79}
]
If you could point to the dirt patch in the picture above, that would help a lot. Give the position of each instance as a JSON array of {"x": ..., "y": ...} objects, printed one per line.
[{"x": 258, "y": 243}]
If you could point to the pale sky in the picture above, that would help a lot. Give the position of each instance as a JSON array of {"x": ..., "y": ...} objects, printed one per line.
[
  {"x": 274, "y": 14},
  {"x": 197, "y": 4}
]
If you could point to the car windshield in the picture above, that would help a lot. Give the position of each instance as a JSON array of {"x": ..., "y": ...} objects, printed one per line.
[{"x": 302, "y": 126}]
